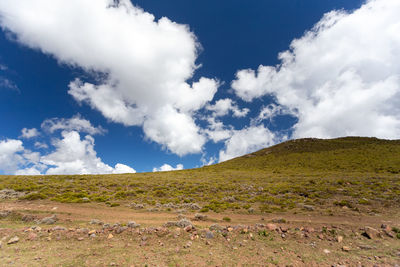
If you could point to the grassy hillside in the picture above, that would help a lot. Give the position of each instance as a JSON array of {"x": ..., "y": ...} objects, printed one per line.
[
  {"x": 349, "y": 154},
  {"x": 359, "y": 173}
]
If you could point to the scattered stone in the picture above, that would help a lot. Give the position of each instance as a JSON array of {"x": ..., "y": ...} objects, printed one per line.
[
  {"x": 92, "y": 232},
  {"x": 230, "y": 229},
  {"x": 5, "y": 214},
  {"x": 80, "y": 238},
  {"x": 110, "y": 236},
  {"x": 120, "y": 229},
  {"x": 32, "y": 236},
  {"x": 189, "y": 228},
  {"x": 250, "y": 210},
  {"x": 92, "y": 235},
  {"x": 371, "y": 233},
  {"x": 85, "y": 199},
  {"x": 309, "y": 229},
  {"x": 321, "y": 236},
  {"x": 339, "y": 239},
  {"x": 200, "y": 217},
  {"x": 188, "y": 244},
  {"x": 209, "y": 235},
  {"x": 216, "y": 227},
  {"x": 49, "y": 220},
  {"x": 181, "y": 223},
  {"x": 284, "y": 229},
  {"x": 308, "y": 207},
  {"x": 28, "y": 218},
  {"x": 13, "y": 240},
  {"x": 82, "y": 230},
  {"x": 271, "y": 226},
  {"x": 132, "y": 224},
  {"x": 326, "y": 251},
  {"x": 96, "y": 221},
  {"x": 10, "y": 194},
  {"x": 1, "y": 244},
  {"x": 346, "y": 248}
]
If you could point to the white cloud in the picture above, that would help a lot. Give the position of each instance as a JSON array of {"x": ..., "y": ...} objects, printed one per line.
[
  {"x": 223, "y": 106},
  {"x": 341, "y": 78},
  {"x": 122, "y": 168},
  {"x": 76, "y": 123},
  {"x": 247, "y": 140},
  {"x": 29, "y": 133},
  {"x": 41, "y": 145},
  {"x": 147, "y": 62},
  {"x": 74, "y": 155},
  {"x": 8, "y": 84},
  {"x": 10, "y": 154},
  {"x": 217, "y": 130},
  {"x": 272, "y": 110},
  {"x": 167, "y": 167}
]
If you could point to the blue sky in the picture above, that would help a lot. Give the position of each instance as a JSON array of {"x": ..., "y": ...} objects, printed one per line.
[{"x": 100, "y": 86}]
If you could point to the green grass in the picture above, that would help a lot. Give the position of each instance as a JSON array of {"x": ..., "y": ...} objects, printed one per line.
[{"x": 358, "y": 173}]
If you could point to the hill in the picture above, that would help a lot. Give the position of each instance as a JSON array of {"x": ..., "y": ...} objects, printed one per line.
[{"x": 349, "y": 154}]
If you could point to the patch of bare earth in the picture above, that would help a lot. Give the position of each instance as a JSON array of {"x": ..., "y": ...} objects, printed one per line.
[{"x": 74, "y": 238}]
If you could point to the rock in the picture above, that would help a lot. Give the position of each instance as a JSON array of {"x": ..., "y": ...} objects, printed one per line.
[
  {"x": 13, "y": 240},
  {"x": 339, "y": 239},
  {"x": 188, "y": 244},
  {"x": 388, "y": 233},
  {"x": 209, "y": 235},
  {"x": 32, "y": 236},
  {"x": 80, "y": 238},
  {"x": 309, "y": 229},
  {"x": 49, "y": 220},
  {"x": 110, "y": 236},
  {"x": 250, "y": 210},
  {"x": 5, "y": 214},
  {"x": 1, "y": 244},
  {"x": 132, "y": 224},
  {"x": 200, "y": 217},
  {"x": 230, "y": 199},
  {"x": 321, "y": 236},
  {"x": 230, "y": 229},
  {"x": 284, "y": 229},
  {"x": 326, "y": 251},
  {"x": 346, "y": 248},
  {"x": 96, "y": 221},
  {"x": 120, "y": 229},
  {"x": 92, "y": 235},
  {"x": 92, "y": 232},
  {"x": 271, "y": 226},
  {"x": 82, "y": 230},
  {"x": 371, "y": 233},
  {"x": 189, "y": 228},
  {"x": 308, "y": 207},
  {"x": 28, "y": 218},
  {"x": 85, "y": 199},
  {"x": 216, "y": 227}
]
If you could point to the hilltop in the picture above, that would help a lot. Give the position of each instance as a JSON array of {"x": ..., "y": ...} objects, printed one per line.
[{"x": 349, "y": 154}]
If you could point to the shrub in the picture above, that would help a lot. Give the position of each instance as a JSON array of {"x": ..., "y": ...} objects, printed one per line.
[
  {"x": 34, "y": 196},
  {"x": 226, "y": 219}
]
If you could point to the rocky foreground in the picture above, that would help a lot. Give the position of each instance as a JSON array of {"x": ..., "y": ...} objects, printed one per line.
[{"x": 31, "y": 240}]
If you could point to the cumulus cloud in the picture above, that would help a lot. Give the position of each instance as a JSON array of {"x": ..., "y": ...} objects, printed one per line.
[
  {"x": 223, "y": 106},
  {"x": 29, "y": 133},
  {"x": 247, "y": 140},
  {"x": 10, "y": 154},
  {"x": 167, "y": 167},
  {"x": 69, "y": 154},
  {"x": 146, "y": 63},
  {"x": 341, "y": 78},
  {"x": 74, "y": 155},
  {"x": 76, "y": 123}
]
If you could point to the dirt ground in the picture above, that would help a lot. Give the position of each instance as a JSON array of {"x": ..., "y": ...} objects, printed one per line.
[{"x": 273, "y": 239}]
